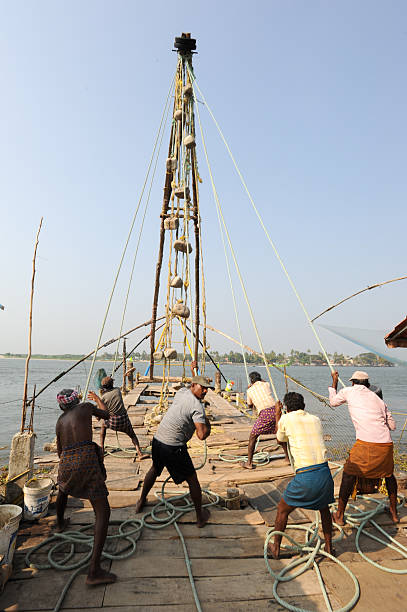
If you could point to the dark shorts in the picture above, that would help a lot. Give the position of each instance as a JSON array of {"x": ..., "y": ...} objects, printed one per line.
[{"x": 175, "y": 458}]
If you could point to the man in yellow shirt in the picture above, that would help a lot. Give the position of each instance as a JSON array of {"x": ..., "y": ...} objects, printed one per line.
[{"x": 312, "y": 486}]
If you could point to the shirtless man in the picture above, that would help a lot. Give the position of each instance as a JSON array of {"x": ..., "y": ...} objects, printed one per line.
[{"x": 82, "y": 474}]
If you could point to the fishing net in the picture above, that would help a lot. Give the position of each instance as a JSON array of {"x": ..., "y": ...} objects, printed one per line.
[{"x": 372, "y": 340}]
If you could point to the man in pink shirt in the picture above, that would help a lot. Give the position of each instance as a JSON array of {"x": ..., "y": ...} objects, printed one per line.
[{"x": 371, "y": 457}]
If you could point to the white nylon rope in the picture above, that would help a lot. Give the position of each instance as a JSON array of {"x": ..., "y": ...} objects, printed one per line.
[
  {"x": 219, "y": 208},
  {"x": 140, "y": 234},
  {"x": 263, "y": 225},
  {"x": 125, "y": 247}
]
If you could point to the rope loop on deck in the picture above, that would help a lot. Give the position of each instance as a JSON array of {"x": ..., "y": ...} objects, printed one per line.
[{"x": 313, "y": 546}]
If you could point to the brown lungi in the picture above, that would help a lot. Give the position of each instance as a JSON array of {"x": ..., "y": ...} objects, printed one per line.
[{"x": 370, "y": 460}]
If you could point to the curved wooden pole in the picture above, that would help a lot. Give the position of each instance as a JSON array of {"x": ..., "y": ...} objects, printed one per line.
[{"x": 393, "y": 280}]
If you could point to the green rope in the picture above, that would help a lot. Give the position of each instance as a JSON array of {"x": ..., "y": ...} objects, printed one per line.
[
  {"x": 129, "y": 530},
  {"x": 313, "y": 547}
]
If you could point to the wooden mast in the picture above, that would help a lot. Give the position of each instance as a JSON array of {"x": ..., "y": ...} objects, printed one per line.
[{"x": 185, "y": 46}]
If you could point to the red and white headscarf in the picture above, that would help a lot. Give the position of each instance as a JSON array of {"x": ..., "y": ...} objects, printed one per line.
[{"x": 67, "y": 396}]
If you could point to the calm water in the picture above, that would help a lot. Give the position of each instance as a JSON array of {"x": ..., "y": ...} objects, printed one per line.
[{"x": 336, "y": 422}]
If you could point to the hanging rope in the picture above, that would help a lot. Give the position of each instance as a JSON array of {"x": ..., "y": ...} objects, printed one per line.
[
  {"x": 141, "y": 232},
  {"x": 233, "y": 297},
  {"x": 263, "y": 225},
  {"x": 125, "y": 246},
  {"x": 219, "y": 208}
]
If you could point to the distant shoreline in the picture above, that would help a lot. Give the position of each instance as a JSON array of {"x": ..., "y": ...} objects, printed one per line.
[{"x": 221, "y": 363}]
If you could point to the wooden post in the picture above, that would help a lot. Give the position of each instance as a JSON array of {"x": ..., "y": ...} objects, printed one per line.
[
  {"x": 124, "y": 389},
  {"x": 130, "y": 377},
  {"x": 286, "y": 380},
  {"x": 27, "y": 361},
  {"x": 217, "y": 382}
]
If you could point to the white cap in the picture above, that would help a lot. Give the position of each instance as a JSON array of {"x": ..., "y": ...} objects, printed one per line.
[{"x": 359, "y": 375}]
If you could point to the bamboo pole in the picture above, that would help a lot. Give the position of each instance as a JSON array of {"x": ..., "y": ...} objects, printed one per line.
[
  {"x": 27, "y": 361},
  {"x": 393, "y": 280}
]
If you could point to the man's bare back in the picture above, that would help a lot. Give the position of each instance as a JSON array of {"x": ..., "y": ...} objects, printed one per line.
[{"x": 75, "y": 425}]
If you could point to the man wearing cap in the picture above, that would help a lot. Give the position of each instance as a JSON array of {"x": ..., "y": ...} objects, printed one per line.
[
  {"x": 118, "y": 420},
  {"x": 371, "y": 457},
  {"x": 184, "y": 417},
  {"x": 81, "y": 473}
]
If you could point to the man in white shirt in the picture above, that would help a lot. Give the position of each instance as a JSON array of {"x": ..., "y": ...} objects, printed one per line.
[
  {"x": 371, "y": 457},
  {"x": 259, "y": 395}
]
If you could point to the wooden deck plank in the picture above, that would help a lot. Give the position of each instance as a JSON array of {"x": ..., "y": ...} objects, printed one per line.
[{"x": 265, "y": 498}]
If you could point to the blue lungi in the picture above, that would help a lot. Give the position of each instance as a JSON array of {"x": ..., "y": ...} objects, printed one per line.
[{"x": 312, "y": 487}]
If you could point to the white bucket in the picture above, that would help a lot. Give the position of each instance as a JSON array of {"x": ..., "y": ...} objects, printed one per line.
[
  {"x": 10, "y": 516},
  {"x": 36, "y": 498}
]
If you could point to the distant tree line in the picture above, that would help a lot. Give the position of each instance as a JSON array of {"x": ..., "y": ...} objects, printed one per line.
[{"x": 294, "y": 357}]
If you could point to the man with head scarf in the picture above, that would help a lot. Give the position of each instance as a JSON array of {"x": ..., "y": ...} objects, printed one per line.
[
  {"x": 112, "y": 401},
  {"x": 371, "y": 457},
  {"x": 81, "y": 473}
]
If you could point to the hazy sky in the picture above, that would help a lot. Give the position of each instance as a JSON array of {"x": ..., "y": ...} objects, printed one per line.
[{"x": 311, "y": 96}]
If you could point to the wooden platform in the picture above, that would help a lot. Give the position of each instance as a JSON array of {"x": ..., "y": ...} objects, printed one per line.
[{"x": 226, "y": 555}]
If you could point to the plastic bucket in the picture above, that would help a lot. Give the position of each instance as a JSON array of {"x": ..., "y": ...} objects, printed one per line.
[
  {"x": 36, "y": 498},
  {"x": 10, "y": 516}
]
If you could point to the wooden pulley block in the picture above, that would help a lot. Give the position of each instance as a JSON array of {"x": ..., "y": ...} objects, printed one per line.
[
  {"x": 182, "y": 246},
  {"x": 176, "y": 282},
  {"x": 171, "y": 223},
  {"x": 178, "y": 115},
  {"x": 158, "y": 355},
  {"x": 188, "y": 90},
  {"x": 181, "y": 310},
  {"x": 181, "y": 191},
  {"x": 170, "y": 353},
  {"x": 189, "y": 141},
  {"x": 171, "y": 164}
]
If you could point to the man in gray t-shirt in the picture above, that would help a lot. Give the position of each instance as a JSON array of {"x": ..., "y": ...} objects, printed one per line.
[
  {"x": 178, "y": 424},
  {"x": 185, "y": 416}
]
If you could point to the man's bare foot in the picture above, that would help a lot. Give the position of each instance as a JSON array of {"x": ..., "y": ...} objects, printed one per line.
[
  {"x": 205, "y": 514},
  {"x": 393, "y": 515},
  {"x": 100, "y": 577},
  {"x": 60, "y": 527},
  {"x": 273, "y": 550},
  {"x": 140, "y": 505},
  {"x": 247, "y": 465},
  {"x": 338, "y": 519}
]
